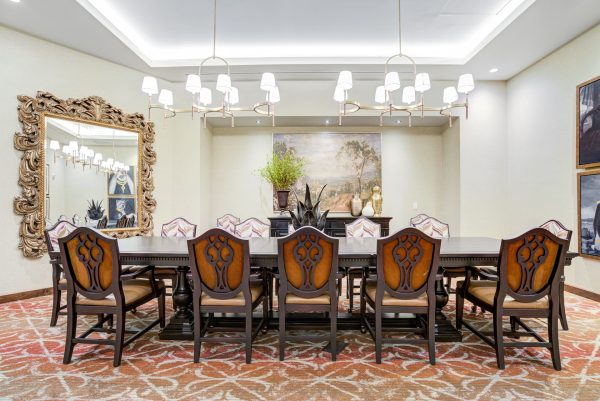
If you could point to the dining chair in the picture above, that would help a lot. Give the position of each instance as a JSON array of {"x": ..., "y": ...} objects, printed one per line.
[
  {"x": 96, "y": 285},
  {"x": 407, "y": 263},
  {"x": 179, "y": 227},
  {"x": 122, "y": 222},
  {"x": 228, "y": 222},
  {"x": 252, "y": 228},
  {"x": 359, "y": 228},
  {"x": 308, "y": 273},
  {"x": 417, "y": 219},
  {"x": 528, "y": 286},
  {"x": 102, "y": 223},
  {"x": 556, "y": 228},
  {"x": 130, "y": 221},
  {"x": 220, "y": 266},
  {"x": 59, "y": 282}
]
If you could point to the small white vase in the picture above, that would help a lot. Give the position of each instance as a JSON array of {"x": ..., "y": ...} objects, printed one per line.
[{"x": 368, "y": 210}]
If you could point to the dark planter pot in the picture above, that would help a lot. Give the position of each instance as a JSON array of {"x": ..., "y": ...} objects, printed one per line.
[{"x": 282, "y": 199}]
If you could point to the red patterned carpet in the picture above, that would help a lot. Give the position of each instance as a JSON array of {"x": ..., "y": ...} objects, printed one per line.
[{"x": 31, "y": 368}]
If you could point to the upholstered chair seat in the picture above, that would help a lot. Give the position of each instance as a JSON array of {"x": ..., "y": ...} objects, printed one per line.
[
  {"x": 256, "y": 290},
  {"x": 324, "y": 299},
  {"x": 485, "y": 290},
  {"x": 388, "y": 300},
  {"x": 133, "y": 291}
]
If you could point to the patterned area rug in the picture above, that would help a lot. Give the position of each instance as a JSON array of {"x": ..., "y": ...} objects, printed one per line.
[{"x": 31, "y": 365}]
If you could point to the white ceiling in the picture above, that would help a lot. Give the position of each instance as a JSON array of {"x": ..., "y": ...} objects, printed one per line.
[
  {"x": 324, "y": 121},
  {"x": 309, "y": 39}
]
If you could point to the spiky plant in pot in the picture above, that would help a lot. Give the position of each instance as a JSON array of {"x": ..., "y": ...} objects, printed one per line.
[
  {"x": 95, "y": 210},
  {"x": 308, "y": 214}
]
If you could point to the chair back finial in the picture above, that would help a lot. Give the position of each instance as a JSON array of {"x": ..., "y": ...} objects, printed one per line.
[
  {"x": 179, "y": 228},
  {"x": 228, "y": 222},
  {"x": 363, "y": 228},
  {"x": 408, "y": 262},
  {"x": 253, "y": 228},
  {"x": 220, "y": 262}
]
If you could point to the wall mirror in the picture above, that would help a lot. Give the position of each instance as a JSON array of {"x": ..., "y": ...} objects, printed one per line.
[{"x": 86, "y": 162}]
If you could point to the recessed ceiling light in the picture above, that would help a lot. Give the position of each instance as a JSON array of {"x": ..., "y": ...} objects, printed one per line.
[
  {"x": 493, "y": 70},
  {"x": 397, "y": 121},
  {"x": 16, "y": 1},
  {"x": 258, "y": 121},
  {"x": 326, "y": 122}
]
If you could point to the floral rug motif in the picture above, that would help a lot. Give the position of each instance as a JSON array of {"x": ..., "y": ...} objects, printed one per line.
[{"x": 31, "y": 365}]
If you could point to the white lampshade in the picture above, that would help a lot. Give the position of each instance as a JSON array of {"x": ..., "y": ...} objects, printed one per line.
[
  {"x": 466, "y": 83},
  {"x": 381, "y": 96},
  {"x": 109, "y": 162},
  {"x": 193, "y": 83},
  {"x": 345, "y": 80},
  {"x": 267, "y": 83},
  {"x": 339, "y": 95},
  {"x": 392, "y": 81},
  {"x": 126, "y": 168},
  {"x": 150, "y": 86},
  {"x": 273, "y": 95},
  {"x": 205, "y": 96},
  {"x": 165, "y": 98},
  {"x": 66, "y": 149},
  {"x": 422, "y": 83},
  {"x": 450, "y": 95},
  {"x": 223, "y": 83},
  {"x": 74, "y": 146},
  {"x": 54, "y": 144},
  {"x": 98, "y": 157},
  {"x": 234, "y": 96},
  {"x": 408, "y": 95}
]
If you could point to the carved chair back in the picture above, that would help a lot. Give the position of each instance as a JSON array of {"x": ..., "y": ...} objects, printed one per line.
[
  {"x": 530, "y": 266},
  {"x": 228, "y": 222},
  {"x": 91, "y": 263},
  {"x": 122, "y": 222},
  {"x": 363, "y": 228},
  {"x": 62, "y": 228},
  {"x": 220, "y": 264},
  {"x": 308, "y": 263},
  {"x": 179, "y": 227},
  {"x": 407, "y": 264},
  {"x": 433, "y": 227},
  {"x": 253, "y": 228},
  {"x": 417, "y": 219},
  {"x": 556, "y": 228},
  {"x": 102, "y": 223}
]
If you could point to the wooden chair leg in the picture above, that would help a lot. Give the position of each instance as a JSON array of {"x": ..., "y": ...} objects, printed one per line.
[
  {"x": 249, "y": 334},
  {"x": 553, "y": 337},
  {"x": 56, "y": 296},
  {"x": 514, "y": 326},
  {"x": 197, "y": 330},
  {"x": 161, "y": 309},
  {"x": 333, "y": 333},
  {"x": 71, "y": 333},
  {"x": 281, "y": 328},
  {"x": 120, "y": 338},
  {"x": 363, "y": 306},
  {"x": 499, "y": 340},
  {"x": 270, "y": 286},
  {"x": 378, "y": 335},
  {"x": 460, "y": 309},
  {"x": 562, "y": 312},
  {"x": 350, "y": 292},
  {"x": 431, "y": 335}
]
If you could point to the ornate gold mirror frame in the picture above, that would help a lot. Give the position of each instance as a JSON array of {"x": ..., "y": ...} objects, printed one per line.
[{"x": 91, "y": 110}]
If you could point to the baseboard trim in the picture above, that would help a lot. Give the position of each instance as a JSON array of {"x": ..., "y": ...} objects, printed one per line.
[
  {"x": 19, "y": 296},
  {"x": 582, "y": 293}
]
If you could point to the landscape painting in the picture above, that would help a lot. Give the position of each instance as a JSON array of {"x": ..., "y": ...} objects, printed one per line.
[
  {"x": 348, "y": 163},
  {"x": 589, "y": 213}
]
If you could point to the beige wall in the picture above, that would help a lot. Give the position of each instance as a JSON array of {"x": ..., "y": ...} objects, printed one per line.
[
  {"x": 412, "y": 170},
  {"x": 30, "y": 65},
  {"x": 449, "y": 201},
  {"x": 541, "y": 144}
]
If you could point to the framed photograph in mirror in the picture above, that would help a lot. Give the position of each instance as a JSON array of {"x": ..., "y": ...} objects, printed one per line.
[
  {"x": 588, "y": 124},
  {"x": 588, "y": 213},
  {"x": 122, "y": 182},
  {"x": 119, "y": 207}
]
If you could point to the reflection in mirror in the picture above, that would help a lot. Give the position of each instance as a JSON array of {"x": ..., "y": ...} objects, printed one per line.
[{"x": 91, "y": 174}]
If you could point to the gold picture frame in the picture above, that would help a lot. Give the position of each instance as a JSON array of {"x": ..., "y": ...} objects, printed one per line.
[
  {"x": 94, "y": 110},
  {"x": 582, "y": 164},
  {"x": 580, "y": 227}
]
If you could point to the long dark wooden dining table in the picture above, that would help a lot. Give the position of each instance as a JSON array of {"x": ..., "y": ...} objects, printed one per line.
[{"x": 173, "y": 252}]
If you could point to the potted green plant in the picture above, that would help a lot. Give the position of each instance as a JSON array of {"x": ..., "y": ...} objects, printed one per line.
[
  {"x": 95, "y": 211},
  {"x": 282, "y": 171}
]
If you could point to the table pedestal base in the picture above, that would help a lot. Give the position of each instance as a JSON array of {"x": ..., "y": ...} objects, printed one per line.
[{"x": 181, "y": 325}]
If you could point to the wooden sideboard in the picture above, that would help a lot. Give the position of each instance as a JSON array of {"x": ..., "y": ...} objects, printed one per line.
[{"x": 334, "y": 226}]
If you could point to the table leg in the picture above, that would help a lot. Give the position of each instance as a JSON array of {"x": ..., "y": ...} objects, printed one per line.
[
  {"x": 445, "y": 331},
  {"x": 181, "y": 325}
]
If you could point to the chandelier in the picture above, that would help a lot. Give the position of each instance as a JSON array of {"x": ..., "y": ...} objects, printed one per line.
[
  {"x": 202, "y": 98},
  {"x": 383, "y": 93}
]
